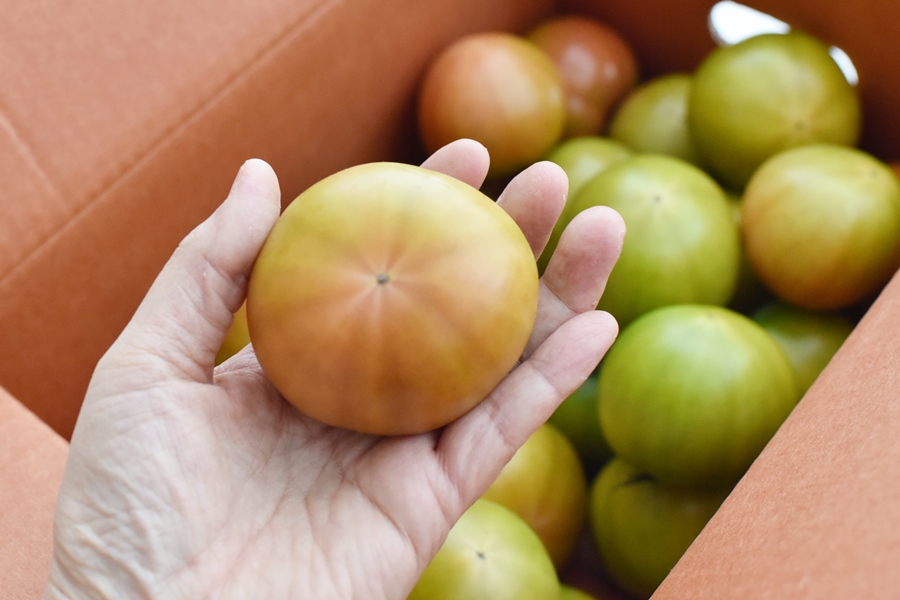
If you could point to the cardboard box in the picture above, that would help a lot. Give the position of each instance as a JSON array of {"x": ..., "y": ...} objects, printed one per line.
[
  {"x": 32, "y": 460},
  {"x": 122, "y": 126}
]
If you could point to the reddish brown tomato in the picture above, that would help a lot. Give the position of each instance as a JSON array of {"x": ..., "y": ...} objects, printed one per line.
[
  {"x": 597, "y": 66},
  {"x": 390, "y": 299},
  {"x": 496, "y": 88}
]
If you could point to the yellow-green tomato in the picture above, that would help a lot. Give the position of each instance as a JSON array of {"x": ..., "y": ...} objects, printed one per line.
[
  {"x": 544, "y": 483},
  {"x": 764, "y": 95},
  {"x": 568, "y": 592},
  {"x": 390, "y": 299},
  {"x": 642, "y": 526},
  {"x": 490, "y": 553},
  {"x": 653, "y": 118},
  {"x": 821, "y": 225}
]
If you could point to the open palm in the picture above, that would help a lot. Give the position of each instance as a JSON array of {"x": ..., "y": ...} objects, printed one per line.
[{"x": 189, "y": 481}]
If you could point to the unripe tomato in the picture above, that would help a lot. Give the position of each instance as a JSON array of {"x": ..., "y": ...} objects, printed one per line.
[
  {"x": 489, "y": 553},
  {"x": 764, "y": 95},
  {"x": 643, "y": 526},
  {"x": 391, "y": 299},
  {"x": 692, "y": 393}
]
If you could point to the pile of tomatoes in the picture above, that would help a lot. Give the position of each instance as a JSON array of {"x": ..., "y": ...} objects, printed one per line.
[{"x": 756, "y": 233}]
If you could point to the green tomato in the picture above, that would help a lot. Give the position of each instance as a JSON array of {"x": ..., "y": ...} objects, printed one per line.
[
  {"x": 653, "y": 118},
  {"x": 567, "y": 592},
  {"x": 582, "y": 158},
  {"x": 681, "y": 244},
  {"x": 691, "y": 394},
  {"x": 576, "y": 417},
  {"x": 489, "y": 553},
  {"x": 768, "y": 93},
  {"x": 821, "y": 225},
  {"x": 642, "y": 526},
  {"x": 809, "y": 338}
]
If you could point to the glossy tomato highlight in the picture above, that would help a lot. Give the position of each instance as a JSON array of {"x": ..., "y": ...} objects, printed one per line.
[{"x": 390, "y": 299}]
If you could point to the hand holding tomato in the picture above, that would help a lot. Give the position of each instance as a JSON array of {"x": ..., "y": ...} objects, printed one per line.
[{"x": 187, "y": 480}]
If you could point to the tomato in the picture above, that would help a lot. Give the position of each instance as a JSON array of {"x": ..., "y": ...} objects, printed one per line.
[
  {"x": 496, "y": 88},
  {"x": 766, "y": 94},
  {"x": 643, "y": 526},
  {"x": 567, "y": 592},
  {"x": 653, "y": 118},
  {"x": 596, "y": 64},
  {"x": 691, "y": 394},
  {"x": 544, "y": 483},
  {"x": 576, "y": 417},
  {"x": 489, "y": 553},
  {"x": 236, "y": 337},
  {"x": 821, "y": 225},
  {"x": 681, "y": 244},
  {"x": 809, "y": 338},
  {"x": 582, "y": 158},
  {"x": 390, "y": 299}
]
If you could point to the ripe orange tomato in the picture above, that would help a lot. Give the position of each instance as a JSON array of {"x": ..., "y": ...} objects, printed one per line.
[
  {"x": 596, "y": 64},
  {"x": 390, "y": 299},
  {"x": 496, "y": 88}
]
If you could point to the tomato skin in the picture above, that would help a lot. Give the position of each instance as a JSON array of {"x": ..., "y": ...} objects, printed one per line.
[
  {"x": 681, "y": 245},
  {"x": 596, "y": 64},
  {"x": 821, "y": 225},
  {"x": 390, "y": 299},
  {"x": 236, "y": 337},
  {"x": 498, "y": 89},
  {"x": 642, "y": 526},
  {"x": 692, "y": 393},
  {"x": 489, "y": 553},
  {"x": 544, "y": 483},
  {"x": 764, "y": 95},
  {"x": 653, "y": 118}
]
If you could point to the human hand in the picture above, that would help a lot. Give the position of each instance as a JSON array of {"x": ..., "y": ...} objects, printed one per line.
[{"x": 187, "y": 480}]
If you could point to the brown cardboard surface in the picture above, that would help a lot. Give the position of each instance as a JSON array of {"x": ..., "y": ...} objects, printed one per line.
[
  {"x": 32, "y": 459},
  {"x": 130, "y": 123}
]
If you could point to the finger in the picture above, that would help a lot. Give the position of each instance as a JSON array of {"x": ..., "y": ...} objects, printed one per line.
[
  {"x": 534, "y": 199},
  {"x": 188, "y": 309},
  {"x": 578, "y": 270},
  {"x": 464, "y": 159},
  {"x": 474, "y": 449}
]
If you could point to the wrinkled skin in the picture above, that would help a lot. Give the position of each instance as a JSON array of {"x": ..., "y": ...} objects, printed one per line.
[{"x": 187, "y": 480}]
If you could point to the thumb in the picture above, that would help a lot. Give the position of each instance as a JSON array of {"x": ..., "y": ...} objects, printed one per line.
[{"x": 186, "y": 313}]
